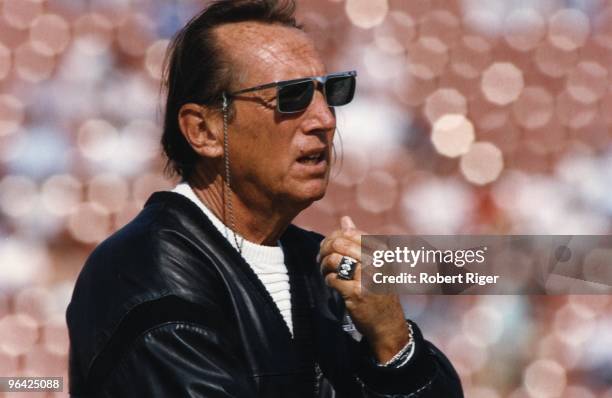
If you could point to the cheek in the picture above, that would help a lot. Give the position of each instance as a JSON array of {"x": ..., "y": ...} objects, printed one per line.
[{"x": 263, "y": 148}]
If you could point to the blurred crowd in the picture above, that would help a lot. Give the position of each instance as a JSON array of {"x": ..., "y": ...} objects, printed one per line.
[{"x": 481, "y": 117}]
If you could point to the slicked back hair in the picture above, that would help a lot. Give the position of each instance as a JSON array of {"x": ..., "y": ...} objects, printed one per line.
[{"x": 196, "y": 70}]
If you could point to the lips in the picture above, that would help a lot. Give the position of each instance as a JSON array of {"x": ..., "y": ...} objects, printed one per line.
[{"x": 313, "y": 156}]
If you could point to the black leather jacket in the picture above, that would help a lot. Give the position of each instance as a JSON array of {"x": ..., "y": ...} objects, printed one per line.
[{"x": 167, "y": 308}]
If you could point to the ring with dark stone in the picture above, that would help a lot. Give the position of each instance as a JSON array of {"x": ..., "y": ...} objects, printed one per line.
[{"x": 346, "y": 268}]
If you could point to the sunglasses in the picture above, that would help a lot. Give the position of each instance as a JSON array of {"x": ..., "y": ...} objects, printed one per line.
[{"x": 296, "y": 95}]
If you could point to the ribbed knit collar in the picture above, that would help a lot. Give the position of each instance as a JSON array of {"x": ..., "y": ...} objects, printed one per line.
[{"x": 252, "y": 252}]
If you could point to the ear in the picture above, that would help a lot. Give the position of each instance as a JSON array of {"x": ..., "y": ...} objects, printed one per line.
[{"x": 203, "y": 129}]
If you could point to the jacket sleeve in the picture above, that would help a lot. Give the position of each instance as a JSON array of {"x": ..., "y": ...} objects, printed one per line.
[
  {"x": 179, "y": 360},
  {"x": 428, "y": 374}
]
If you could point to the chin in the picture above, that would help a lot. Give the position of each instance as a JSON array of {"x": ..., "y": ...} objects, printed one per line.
[{"x": 309, "y": 192}]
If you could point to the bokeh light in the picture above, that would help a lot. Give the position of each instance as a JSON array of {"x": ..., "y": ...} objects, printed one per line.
[
  {"x": 572, "y": 112},
  {"x": 553, "y": 61},
  {"x": 366, "y": 13},
  {"x": 34, "y": 302},
  {"x": 452, "y": 135},
  {"x": 533, "y": 108},
  {"x": 440, "y": 26},
  {"x": 18, "y": 333},
  {"x": 12, "y": 113},
  {"x": 31, "y": 64},
  {"x": 603, "y": 28},
  {"x": 578, "y": 392},
  {"x": 155, "y": 58},
  {"x": 89, "y": 223},
  {"x": 413, "y": 90},
  {"x": 482, "y": 325},
  {"x": 502, "y": 83},
  {"x": 383, "y": 64},
  {"x": 354, "y": 170},
  {"x": 425, "y": 206},
  {"x": 524, "y": 29},
  {"x": 93, "y": 33},
  {"x": 109, "y": 191},
  {"x": 467, "y": 357},
  {"x": 545, "y": 378},
  {"x": 18, "y": 195},
  {"x": 426, "y": 59},
  {"x": 587, "y": 82},
  {"x": 578, "y": 330},
  {"x": 50, "y": 34},
  {"x": 444, "y": 101},
  {"x": 377, "y": 192},
  {"x": 135, "y": 33},
  {"x": 398, "y": 29},
  {"x": 22, "y": 263},
  {"x": 55, "y": 335},
  {"x": 482, "y": 164},
  {"x": 21, "y": 14},
  {"x": 97, "y": 139},
  {"x": 60, "y": 194},
  {"x": 568, "y": 29},
  {"x": 470, "y": 56},
  {"x": 553, "y": 348},
  {"x": 41, "y": 362}
]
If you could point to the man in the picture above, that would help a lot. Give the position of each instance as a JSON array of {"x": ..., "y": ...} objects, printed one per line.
[{"x": 210, "y": 291}]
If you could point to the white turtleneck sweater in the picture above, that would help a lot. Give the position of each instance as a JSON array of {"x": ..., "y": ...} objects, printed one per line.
[{"x": 268, "y": 262}]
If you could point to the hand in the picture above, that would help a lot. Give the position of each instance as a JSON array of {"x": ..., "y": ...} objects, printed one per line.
[{"x": 379, "y": 318}]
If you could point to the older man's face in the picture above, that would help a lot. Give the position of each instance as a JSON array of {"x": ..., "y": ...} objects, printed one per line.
[{"x": 276, "y": 157}]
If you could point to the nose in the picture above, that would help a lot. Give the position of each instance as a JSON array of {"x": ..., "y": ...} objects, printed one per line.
[{"x": 320, "y": 116}]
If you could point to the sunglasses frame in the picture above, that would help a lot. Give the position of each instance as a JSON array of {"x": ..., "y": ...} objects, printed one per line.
[{"x": 284, "y": 83}]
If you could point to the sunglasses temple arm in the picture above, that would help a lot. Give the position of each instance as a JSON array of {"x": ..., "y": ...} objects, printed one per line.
[{"x": 256, "y": 88}]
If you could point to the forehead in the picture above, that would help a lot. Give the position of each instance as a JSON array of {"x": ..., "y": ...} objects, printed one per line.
[{"x": 263, "y": 53}]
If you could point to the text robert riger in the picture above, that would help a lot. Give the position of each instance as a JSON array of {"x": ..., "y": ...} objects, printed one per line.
[{"x": 425, "y": 278}]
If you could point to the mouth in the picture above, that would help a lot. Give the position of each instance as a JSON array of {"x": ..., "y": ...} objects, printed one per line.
[{"x": 313, "y": 158}]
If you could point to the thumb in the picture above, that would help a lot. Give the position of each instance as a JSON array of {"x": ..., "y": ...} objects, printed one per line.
[{"x": 347, "y": 223}]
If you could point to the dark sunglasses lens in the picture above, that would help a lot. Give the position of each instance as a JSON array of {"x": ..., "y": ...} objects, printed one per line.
[
  {"x": 295, "y": 97},
  {"x": 340, "y": 90}
]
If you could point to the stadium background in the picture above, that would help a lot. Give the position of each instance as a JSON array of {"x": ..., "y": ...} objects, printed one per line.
[{"x": 471, "y": 117}]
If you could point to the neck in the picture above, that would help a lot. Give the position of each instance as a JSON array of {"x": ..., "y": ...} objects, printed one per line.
[{"x": 257, "y": 222}]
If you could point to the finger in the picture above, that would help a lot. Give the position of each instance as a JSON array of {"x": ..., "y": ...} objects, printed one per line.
[
  {"x": 337, "y": 284},
  {"x": 346, "y": 288},
  {"x": 325, "y": 242},
  {"x": 329, "y": 264},
  {"x": 342, "y": 246},
  {"x": 335, "y": 234},
  {"x": 353, "y": 234},
  {"x": 357, "y": 274},
  {"x": 331, "y": 280},
  {"x": 347, "y": 223}
]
